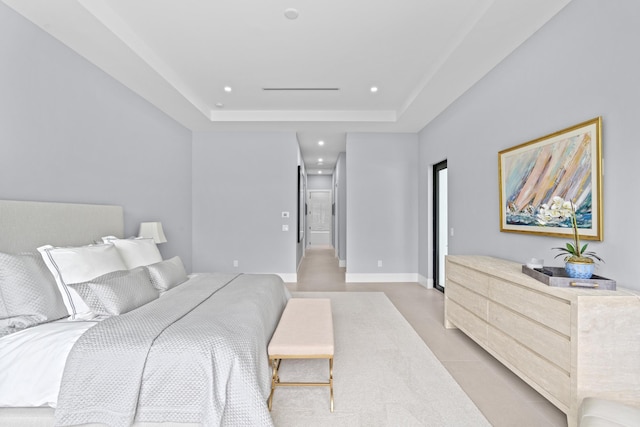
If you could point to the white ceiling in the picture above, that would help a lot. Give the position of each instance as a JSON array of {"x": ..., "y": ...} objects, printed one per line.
[{"x": 180, "y": 54}]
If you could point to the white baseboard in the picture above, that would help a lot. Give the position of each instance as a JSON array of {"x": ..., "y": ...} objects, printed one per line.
[
  {"x": 342, "y": 262},
  {"x": 380, "y": 277},
  {"x": 427, "y": 283},
  {"x": 289, "y": 277}
]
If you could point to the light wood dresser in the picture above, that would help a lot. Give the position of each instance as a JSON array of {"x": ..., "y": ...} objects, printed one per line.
[{"x": 567, "y": 343}]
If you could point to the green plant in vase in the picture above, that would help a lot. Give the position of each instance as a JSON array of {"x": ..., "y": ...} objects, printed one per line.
[{"x": 579, "y": 263}]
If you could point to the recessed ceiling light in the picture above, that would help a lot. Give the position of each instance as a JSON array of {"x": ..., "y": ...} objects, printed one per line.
[
  {"x": 219, "y": 105},
  {"x": 320, "y": 160},
  {"x": 374, "y": 89},
  {"x": 320, "y": 142},
  {"x": 291, "y": 13},
  {"x": 228, "y": 89},
  {"x": 320, "y": 172}
]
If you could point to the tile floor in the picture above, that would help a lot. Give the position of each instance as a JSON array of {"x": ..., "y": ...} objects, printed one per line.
[{"x": 503, "y": 398}]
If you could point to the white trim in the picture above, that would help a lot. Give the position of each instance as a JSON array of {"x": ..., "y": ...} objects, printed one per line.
[
  {"x": 380, "y": 277},
  {"x": 289, "y": 277},
  {"x": 427, "y": 283},
  {"x": 342, "y": 262},
  {"x": 302, "y": 115}
]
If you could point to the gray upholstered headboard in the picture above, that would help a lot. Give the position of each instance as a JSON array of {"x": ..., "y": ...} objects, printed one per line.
[{"x": 26, "y": 225}]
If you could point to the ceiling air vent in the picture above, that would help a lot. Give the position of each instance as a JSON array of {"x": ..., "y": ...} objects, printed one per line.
[{"x": 301, "y": 88}]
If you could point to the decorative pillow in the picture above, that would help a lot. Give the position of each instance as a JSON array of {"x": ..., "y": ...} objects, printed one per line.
[
  {"x": 28, "y": 293},
  {"x": 167, "y": 274},
  {"x": 117, "y": 292},
  {"x": 136, "y": 251},
  {"x": 79, "y": 264}
]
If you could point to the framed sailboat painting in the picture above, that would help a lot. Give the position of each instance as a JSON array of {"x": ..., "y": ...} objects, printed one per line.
[{"x": 544, "y": 181}]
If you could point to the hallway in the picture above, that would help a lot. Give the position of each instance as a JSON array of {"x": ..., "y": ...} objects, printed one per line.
[
  {"x": 319, "y": 271},
  {"x": 503, "y": 398}
]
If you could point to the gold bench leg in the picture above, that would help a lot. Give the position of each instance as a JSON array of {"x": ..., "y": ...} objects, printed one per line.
[
  {"x": 275, "y": 381},
  {"x": 331, "y": 381},
  {"x": 275, "y": 365}
]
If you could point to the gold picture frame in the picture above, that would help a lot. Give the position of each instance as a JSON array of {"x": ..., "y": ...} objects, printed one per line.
[{"x": 539, "y": 176}]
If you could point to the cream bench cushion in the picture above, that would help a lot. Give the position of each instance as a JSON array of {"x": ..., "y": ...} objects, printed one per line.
[{"x": 305, "y": 330}]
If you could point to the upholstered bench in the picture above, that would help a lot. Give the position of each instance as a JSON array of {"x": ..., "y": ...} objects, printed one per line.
[{"x": 305, "y": 331}]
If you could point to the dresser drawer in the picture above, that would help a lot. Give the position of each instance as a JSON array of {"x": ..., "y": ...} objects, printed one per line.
[
  {"x": 471, "y": 301},
  {"x": 550, "y": 380},
  {"x": 544, "y": 309},
  {"x": 469, "y": 323},
  {"x": 468, "y": 278},
  {"x": 547, "y": 343}
]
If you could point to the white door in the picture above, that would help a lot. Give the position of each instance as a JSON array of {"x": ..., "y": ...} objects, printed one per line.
[{"x": 319, "y": 217}]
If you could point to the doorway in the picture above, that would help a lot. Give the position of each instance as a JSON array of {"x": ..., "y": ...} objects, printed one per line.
[
  {"x": 440, "y": 224},
  {"x": 319, "y": 218}
]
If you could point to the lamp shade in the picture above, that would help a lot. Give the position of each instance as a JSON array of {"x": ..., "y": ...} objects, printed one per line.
[{"x": 152, "y": 230}]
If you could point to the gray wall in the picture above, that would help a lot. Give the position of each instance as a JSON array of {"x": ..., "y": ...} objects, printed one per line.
[
  {"x": 71, "y": 133},
  {"x": 382, "y": 203},
  {"x": 242, "y": 182},
  {"x": 340, "y": 199},
  {"x": 582, "y": 64}
]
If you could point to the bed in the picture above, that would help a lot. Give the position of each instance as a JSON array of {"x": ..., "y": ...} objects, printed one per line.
[{"x": 139, "y": 343}]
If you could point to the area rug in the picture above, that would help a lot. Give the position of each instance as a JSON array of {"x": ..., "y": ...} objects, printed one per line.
[{"x": 384, "y": 374}]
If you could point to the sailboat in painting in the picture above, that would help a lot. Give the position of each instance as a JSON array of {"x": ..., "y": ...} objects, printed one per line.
[{"x": 536, "y": 177}]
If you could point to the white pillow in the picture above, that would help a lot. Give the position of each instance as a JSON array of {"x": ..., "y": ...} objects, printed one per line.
[
  {"x": 80, "y": 264},
  {"x": 137, "y": 251}
]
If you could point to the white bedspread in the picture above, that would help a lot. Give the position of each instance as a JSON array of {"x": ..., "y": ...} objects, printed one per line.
[{"x": 32, "y": 362}]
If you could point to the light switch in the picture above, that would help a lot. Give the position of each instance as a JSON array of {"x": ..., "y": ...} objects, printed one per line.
[{"x": 285, "y": 227}]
